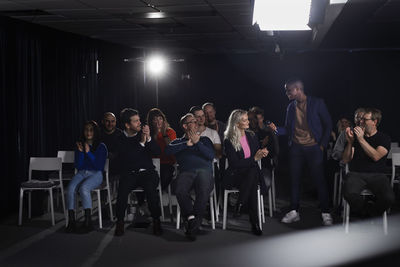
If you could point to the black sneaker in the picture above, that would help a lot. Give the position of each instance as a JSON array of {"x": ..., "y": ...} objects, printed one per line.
[
  {"x": 157, "y": 229},
  {"x": 191, "y": 229},
  {"x": 120, "y": 228}
]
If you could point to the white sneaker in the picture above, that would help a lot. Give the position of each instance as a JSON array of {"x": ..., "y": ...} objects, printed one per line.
[
  {"x": 327, "y": 219},
  {"x": 291, "y": 216}
]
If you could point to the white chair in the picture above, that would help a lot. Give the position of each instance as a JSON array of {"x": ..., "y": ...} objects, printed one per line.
[
  {"x": 212, "y": 211},
  {"x": 156, "y": 163},
  {"x": 104, "y": 186},
  {"x": 394, "y": 144},
  {"x": 395, "y": 163},
  {"x": 41, "y": 164},
  {"x": 67, "y": 157},
  {"x": 260, "y": 203},
  {"x": 393, "y": 150}
]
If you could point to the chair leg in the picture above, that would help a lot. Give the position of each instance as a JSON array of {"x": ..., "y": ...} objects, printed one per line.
[
  {"x": 161, "y": 202},
  {"x": 21, "y": 201},
  {"x": 212, "y": 212},
  {"x": 270, "y": 201},
  {"x": 170, "y": 201},
  {"x": 273, "y": 189},
  {"x": 99, "y": 209},
  {"x": 63, "y": 203},
  {"x": 29, "y": 205},
  {"x": 335, "y": 181},
  {"x": 347, "y": 217},
  {"x": 225, "y": 209},
  {"x": 110, "y": 204},
  {"x": 216, "y": 207},
  {"x": 51, "y": 206},
  {"x": 259, "y": 208},
  {"x": 178, "y": 216},
  {"x": 262, "y": 208},
  {"x": 385, "y": 225}
]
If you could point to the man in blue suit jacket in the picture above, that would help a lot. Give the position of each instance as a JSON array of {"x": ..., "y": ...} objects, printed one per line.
[{"x": 308, "y": 126}]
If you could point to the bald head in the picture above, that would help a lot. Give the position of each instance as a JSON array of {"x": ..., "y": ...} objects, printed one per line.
[{"x": 109, "y": 122}]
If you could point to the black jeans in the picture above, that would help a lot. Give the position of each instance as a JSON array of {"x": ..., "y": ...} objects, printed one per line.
[
  {"x": 377, "y": 183},
  {"x": 202, "y": 181},
  {"x": 312, "y": 157},
  {"x": 149, "y": 181}
]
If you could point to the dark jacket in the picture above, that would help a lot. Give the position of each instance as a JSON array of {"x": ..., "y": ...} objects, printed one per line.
[
  {"x": 133, "y": 156},
  {"x": 318, "y": 119},
  {"x": 236, "y": 159}
]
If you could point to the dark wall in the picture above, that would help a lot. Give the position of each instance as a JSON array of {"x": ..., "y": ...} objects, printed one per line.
[{"x": 49, "y": 87}]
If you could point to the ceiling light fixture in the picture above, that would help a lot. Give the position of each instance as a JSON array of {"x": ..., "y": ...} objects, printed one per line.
[{"x": 282, "y": 15}]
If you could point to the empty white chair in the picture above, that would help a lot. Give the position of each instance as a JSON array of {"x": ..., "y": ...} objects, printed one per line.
[
  {"x": 67, "y": 157},
  {"x": 42, "y": 164}
]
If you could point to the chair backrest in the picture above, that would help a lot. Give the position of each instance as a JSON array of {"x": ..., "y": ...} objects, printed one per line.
[
  {"x": 394, "y": 144},
  {"x": 393, "y": 150},
  {"x": 156, "y": 163},
  {"x": 395, "y": 163},
  {"x": 45, "y": 164},
  {"x": 66, "y": 156}
]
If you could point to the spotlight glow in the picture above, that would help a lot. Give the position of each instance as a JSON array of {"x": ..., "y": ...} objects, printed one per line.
[{"x": 156, "y": 65}]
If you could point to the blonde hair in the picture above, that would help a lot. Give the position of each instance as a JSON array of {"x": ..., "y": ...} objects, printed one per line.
[{"x": 232, "y": 132}]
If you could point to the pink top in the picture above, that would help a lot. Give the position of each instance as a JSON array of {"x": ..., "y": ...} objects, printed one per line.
[{"x": 245, "y": 146}]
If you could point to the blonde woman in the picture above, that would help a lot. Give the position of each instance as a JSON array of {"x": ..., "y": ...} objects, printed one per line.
[{"x": 243, "y": 151}]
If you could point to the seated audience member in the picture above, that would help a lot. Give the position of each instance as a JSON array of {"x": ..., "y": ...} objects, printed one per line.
[
  {"x": 163, "y": 134},
  {"x": 243, "y": 151},
  {"x": 211, "y": 121},
  {"x": 265, "y": 135},
  {"x": 194, "y": 154},
  {"x": 90, "y": 157},
  {"x": 136, "y": 149},
  {"x": 341, "y": 140},
  {"x": 366, "y": 152},
  {"x": 110, "y": 135}
]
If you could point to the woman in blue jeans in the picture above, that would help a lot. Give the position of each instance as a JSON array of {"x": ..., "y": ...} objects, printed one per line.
[{"x": 90, "y": 157}]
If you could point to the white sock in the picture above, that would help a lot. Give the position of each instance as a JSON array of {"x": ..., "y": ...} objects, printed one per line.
[{"x": 191, "y": 217}]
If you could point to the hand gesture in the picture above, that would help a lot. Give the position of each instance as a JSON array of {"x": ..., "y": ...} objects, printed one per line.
[
  {"x": 273, "y": 127},
  {"x": 349, "y": 135},
  {"x": 195, "y": 137},
  {"x": 359, "y": 132},
  {"x": 79, "y": 146},
  {"x": 87, "y": 147},
  {"x": 261, "y": 153},
  {"x": 145, "y": 133}
]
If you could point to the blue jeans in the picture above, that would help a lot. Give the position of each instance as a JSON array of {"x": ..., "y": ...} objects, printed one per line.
[
  {"x": 86, "y": 181},
  {"x": 202, "y": 181},
  {"x": 313, "y": 158}
]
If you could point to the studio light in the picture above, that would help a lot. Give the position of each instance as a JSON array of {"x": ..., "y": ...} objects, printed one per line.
[
  {"x": 156, "y": 65},
  {"x": 282, "y": 15}
]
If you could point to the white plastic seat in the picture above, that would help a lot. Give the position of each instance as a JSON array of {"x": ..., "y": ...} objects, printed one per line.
[
  {"x": 156, "y": 163},
  {"x": 104, "y": 186},
  {"x": 67, "y": 157},
  {"x": 42, "y": 164}
]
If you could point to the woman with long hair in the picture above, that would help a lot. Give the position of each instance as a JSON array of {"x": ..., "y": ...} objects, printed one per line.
[
  {"x": 243, "y": 151},
  {"x": 163, "y": 134},
  {"x": 90, "y": 157}
]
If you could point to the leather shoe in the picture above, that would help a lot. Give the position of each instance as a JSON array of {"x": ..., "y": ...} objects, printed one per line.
[
  {"x": 157, "y": 229},
  {"x": 255, "y": 228},
  {"x": 238, "y": 210},
  {"x": 119, "y": 228}
]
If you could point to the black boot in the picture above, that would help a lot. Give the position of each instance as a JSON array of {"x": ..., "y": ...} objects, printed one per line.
[
  {"x": 87, "y": 224},
  {"x": 71, "y": 227},
  {"x": 255, "y": 228}
]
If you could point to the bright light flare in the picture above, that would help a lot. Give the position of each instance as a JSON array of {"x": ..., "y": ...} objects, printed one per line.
[
  {"x": 282, "y": 15},
  {"x": 156, "y": 65}
]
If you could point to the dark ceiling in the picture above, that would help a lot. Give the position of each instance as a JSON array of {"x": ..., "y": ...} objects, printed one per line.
[{"x": 212, "y": 26}]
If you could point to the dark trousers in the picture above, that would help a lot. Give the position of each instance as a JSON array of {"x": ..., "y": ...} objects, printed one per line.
[
  {"x": 202, "y": 182},
  {"x": 166, "y": 175},
  {"x": 312, "y": 157},
  {"x": 377, "y": 183},
  {"x": 148, "y": 180},
  {"x": 247, "y": 181}
]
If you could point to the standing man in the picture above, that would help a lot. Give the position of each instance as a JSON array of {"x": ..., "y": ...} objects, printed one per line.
[
  {"x": 194, "y": 154},
  {"x": 136, "y": 149},
  {"x": 308, "y": 126},
  {"x": 366, "y": 152},
  {"x": 211, "y": 121}
]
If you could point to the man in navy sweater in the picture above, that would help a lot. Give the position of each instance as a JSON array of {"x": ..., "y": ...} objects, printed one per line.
[
  {"x": 194, "y": 154},
  {"x": 308, "y": 126},
  {"x": 136, "y": 148}
]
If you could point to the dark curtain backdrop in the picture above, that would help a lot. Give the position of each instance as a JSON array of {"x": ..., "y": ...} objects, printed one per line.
[{"x": 49, "y": 87}]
